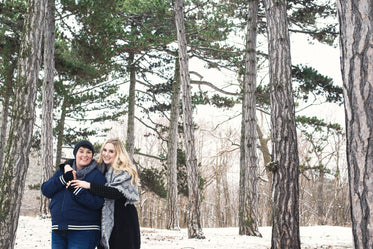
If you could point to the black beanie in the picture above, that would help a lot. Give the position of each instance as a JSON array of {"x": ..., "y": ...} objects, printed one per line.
[{"x": 84, "y": 144}]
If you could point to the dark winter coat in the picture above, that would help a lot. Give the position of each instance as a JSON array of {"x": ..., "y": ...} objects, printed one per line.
[
  {"x": 126, "y": 230},
  {"x": 74, "y": 209}
]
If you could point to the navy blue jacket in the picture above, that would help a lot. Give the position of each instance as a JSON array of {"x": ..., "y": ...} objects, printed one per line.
[{"x": 74, "y": 210}]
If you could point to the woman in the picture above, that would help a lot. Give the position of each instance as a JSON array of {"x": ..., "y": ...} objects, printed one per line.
[
  {"x": 75, "y": 211},
  {"x": 120, "y": 223}
]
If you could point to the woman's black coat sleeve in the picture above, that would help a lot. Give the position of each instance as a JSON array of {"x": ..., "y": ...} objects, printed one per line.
[{"x": 105, "y": 191}]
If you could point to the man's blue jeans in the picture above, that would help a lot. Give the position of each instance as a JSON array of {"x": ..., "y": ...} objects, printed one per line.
[{"x": 75, "y": 239}]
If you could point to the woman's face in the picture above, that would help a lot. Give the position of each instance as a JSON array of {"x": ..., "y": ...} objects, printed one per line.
[
  {"x": 83, "y": 157},
  {"x": 108, "y": 153}
]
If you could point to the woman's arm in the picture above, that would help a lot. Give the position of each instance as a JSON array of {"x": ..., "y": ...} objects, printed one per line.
[
  {"x": 98, "y": 189},
  {"x": 83, "y": 196},
  {"x": 105, "y": 191}
]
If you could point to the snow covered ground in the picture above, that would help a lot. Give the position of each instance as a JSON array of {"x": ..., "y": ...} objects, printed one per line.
[{"x": 34, "y": 232}]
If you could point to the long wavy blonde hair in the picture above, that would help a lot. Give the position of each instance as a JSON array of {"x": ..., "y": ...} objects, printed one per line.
[{"x": 122, "y": 161}]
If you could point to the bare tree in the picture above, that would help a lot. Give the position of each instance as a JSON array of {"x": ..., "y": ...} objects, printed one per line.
[
  {"x": 266, "y": 189},
  {"x": 356, "y": 39},
  {"x": 194, "y": 212},
  {"x": 227, "y": 197},
  {"x": 219, "y": 164},
  {"x": 22, "y": 122},
  {"x": 172, "y": 191},
  {"x": 318, "y": 155},
  {"x": 285, "y": 160},
  {"x": 47, "y": 105},
  {"x": 248, "y": 196}
]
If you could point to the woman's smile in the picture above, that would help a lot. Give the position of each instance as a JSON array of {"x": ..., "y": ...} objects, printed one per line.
[
  {"x": 108, "y": 153},
  {"x": 83, "y": 157}
]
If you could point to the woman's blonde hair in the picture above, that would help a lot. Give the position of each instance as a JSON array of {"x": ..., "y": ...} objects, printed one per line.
[{"x": 122, "y": 161}]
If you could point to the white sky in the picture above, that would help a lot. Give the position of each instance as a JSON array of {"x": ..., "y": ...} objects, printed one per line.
[
  {"x": 325, "y": 59},
  {"x": 322, "y": 57}
]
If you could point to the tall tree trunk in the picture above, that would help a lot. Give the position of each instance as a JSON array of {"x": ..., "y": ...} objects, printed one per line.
[
  {"x": 267, "y": 188},
  {"x": 194, "y": 209},
  {"x": 22, "y": 122},
  {"x": 320, "y": 198},
  {"x": 47, "y": 105},
  {"x": 60, "y": 132},
  {"x": 218, "y": 179},
  {"x": 285, "y": 159},
  {"x": 248, "y": 195},
  {"x": 227, "y": 199},
  {"x": 356, "y": 39},
  {"x": 4, "y": 128},
  {"x": 131, "y": 106},
  {"x": 10, "y": 66},
  {"x": 338, "y": 185},
  {"x": 172, "y": 191}
]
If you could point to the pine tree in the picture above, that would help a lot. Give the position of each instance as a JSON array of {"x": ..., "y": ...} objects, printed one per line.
[
  {"x": 285, "y": 160},
  {"x": 47, "y": 102},
  {"x": 16, "y": 161},
  {"x": 356, "y": 40},
  {"x": 194, "y": 212},
  {"x": 248, "y": 195}
]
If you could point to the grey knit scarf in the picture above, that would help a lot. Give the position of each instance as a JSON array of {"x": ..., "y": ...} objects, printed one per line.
[
  {"x": 80, "y": 174},
  {"x": 121, "y": 181}
]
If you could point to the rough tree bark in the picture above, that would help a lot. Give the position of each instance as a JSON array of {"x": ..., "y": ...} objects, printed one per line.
[
  {"x": 263, "y": 141},
  {"x": 227, "y": 199},
  {"x": 194, "y": 209},
  {"x": 285, "y": 159},
  {"x": 356, "y": 39},
  {"x": 16, "y": 160},
  {"x": 219, "y": 164},
  {"x": 60, "y": 131},
  {"x": 321, "y": 219},
  {"x": 10, "y": 66},
  {"x": 248, "y": 194},
  {"x": 47, "y": 103},
  {"x": 172, "y": 191},
  {"x": 131, "y": 107}
]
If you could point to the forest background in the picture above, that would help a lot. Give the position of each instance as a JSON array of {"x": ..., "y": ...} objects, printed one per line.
[{"x": 114, "y": 76}]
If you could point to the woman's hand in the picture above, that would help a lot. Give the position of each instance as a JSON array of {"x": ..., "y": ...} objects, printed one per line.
[
  {"x": 80, "y": 184},
  {"x": 69, "y": 168}
]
